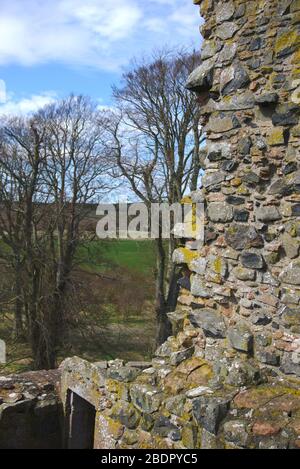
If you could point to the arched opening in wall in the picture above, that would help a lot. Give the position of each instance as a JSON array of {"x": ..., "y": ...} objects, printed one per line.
[{"x": 80, "y": 422}]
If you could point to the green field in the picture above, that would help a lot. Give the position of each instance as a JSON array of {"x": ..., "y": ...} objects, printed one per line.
[
  {"x": 134, "y": 255},
  {"x": 119, "y": 321}
]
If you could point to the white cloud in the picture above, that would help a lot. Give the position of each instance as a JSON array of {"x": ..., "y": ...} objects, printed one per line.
[
  {"x": 102, "y": 106},
  {"x": 13, "y": 106},
  {"x": 184, "y": 19},
  {"x": 111, "y": 20},
  {"x": 2, "y": 91},
  {"x": 157, "y": 25},
  {"x": 70, "y": 31},
  {"x": 98, "y": 33}
]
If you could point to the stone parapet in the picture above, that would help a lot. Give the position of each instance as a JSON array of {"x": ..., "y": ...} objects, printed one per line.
[{"x": 31, "y": 414}]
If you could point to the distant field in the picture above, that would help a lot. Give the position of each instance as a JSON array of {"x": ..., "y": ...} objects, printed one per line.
[
  {"x": 120, "y": 322},
  {"x": 102, "y": 255}
]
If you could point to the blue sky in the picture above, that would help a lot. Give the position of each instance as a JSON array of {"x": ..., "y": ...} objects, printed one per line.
[{"x": 50, "y": 48}]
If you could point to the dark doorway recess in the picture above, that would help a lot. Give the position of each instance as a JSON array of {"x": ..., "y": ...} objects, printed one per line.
[{"x": 80, "y": 422}]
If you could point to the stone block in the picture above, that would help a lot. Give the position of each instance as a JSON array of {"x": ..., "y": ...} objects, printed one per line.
[
  {"x": 240, "y": 338},
  {"x": 210, "y": 321}
]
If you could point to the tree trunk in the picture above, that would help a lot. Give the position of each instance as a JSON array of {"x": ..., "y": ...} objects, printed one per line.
[
  {"x": 42, "y": 333},
  {"x": 18, "y": 320},
  {"x": 196, "y": 159},
  {"x": 43, "y": 348},
  {"x": 18, "y": 313},
  {"x": 163, "y": 323},
  {"x": 173, "y": 289}
]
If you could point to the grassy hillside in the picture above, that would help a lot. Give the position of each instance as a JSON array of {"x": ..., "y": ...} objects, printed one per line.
[{"x": 99, "y": 256}]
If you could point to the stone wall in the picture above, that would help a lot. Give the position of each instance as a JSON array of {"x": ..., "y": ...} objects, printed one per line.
[
  {"x": 229, "y": 375},
  {"x": 31, "y": 414},
  {"x": 245, "y": 286}
]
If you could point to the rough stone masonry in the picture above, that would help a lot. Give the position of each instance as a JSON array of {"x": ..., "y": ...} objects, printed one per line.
[
  {"x": 246, "y": 298},
  {"x": 30, "y": 411},
  {"x": 229, "y": 376}
]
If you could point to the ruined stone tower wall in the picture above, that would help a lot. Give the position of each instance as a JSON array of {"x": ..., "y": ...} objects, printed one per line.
[
  {"x": 229, "y": 375},
  {"x": 248, "y": 274}
]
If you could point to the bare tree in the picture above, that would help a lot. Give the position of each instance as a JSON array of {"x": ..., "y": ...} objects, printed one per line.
[
  {"x": 155, "y": 137},
  {"x": 75, "y": 174},
  {"x": 20, "y": 162},
  {"x": 51, "y": 165}
]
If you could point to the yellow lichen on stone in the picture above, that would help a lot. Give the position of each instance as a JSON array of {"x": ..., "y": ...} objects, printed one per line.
[
  {"x": 295, "y": 6},
  {"x": 185, "y": 255},
  {"x": 217, "y": 265},
  {"x": 235, "y": 182},
  {"x": 205, "y": 6},
  {"x": 130, "y": 437},
  {"x": 267, "y": 70},
  {"x": 287, "y": 40},
  {"x": 114, "y": 427},
  {"x": 296, "y": 58},
  {"x": 195, "y": 220},
  {"x": 186, "y": 322},
  {"x": 215, "y": 278},
  {"x": 232, "y": 230},
  {"x": 189, "y": 365},
  {"x": 276, "y": 137},
  {"x": 161, "y": 443},
  {"x": 189, "y": 436},
  {"x": 115, "y": 387},
  {"x": 296, "y": 74},
  {"x": 242, "y": 190},
  {"x": 200, "y": 376}
]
